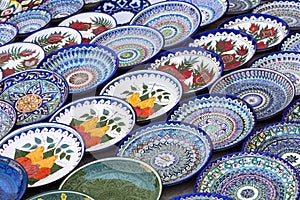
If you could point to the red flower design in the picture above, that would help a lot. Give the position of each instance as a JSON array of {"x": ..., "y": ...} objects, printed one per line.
[
  {"x": 70, "y": 44},
  {"x": 186, "y": 73},
  {"x": 8, "y": 72},
  {"x": 143, "y": 113},
  {"x": 202, "y": 78},
  {"x": 230, "y": 61},
  {"x": 24, "y": 161},
  {"x": 81, "y": 26},
  {"x": 55, "y": 38},
  {"x": 99, "y": 30},
  {"x": 253, "y": 28},
  {"x": 242, "y": 51},
  {"x": 26, "y": 53},
  {"x": 31, "y": 62},
  {"x": 4, "y": 57},
  {"x": 31, "y": 170},
  {"x": 224, "y": 46},
  {"x": 261, "y": 45},
  {"x": 42, "y": 173},
  {"x": 268, "y": 32},
  {"x": 85, "y": 40}
]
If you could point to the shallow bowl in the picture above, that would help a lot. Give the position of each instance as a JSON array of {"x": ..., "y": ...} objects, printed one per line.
[{"x": 8, "y": 32}]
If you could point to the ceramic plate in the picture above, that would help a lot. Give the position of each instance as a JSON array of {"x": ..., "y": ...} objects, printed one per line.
[
  {"x": 89, "y": 24},
  {"x": 35, "y": 94},
  {"x": 20, "y": 56},
  {"x": 177, "y": 151},
  {"x": 268, "y": 31},
  {"x": 281, "y": 138},
  {"x": 8, "y": 118},
  {"x": 201, "y": 196},
  {"x": 152, "y": 93},
  {"x": 13, "y": 179},
  {"x": 248, "y": 175},
  {"x": 291, "y": 42},
  {"x": 54, "y": 38},
  {"x": 177, "y": 21},
  {"x": 287, "y": 63},
  {"x": 61, "y": 194},
  {"x": 196, "y": 68},
  {"x": 8, "y": 33},
  {"x": 133, "y": 44},
  {"x": 47, "y": 151},
  {"x": 241, "y": 6},
  {"x": 122, "y": 11},
  {"x": 226, "y": 119},
  {"x": 235, "y": 47},
  {"x": 102, "y": 121},
  {"x": 8, "y": 8},
  {"x": 287, "y": 10},
  {"x": 84, "y": 66},
  {"x": 292, "y": 112},
  {"x": 116, "y": 177},
  {"x": 267, "y": 91}
]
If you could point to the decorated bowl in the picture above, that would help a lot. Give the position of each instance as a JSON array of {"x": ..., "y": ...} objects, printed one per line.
[
  {"x": 47, "y": 151},
  {"x": 291, "y": 42},
  {"x": 35, "y": 94},
  {"x": 176, "y": 20},
  {"x": 287, "y": 63},
  {"x": 235, "y": 47},
  {"x": 89, "y": 24},
  {"x": 201, "y": 196},
  {"x": 8, "y": 118},
  {"x": 176, "y": 150},
  {"x": 54, "y": 38},
  {"x": 267, "y": 91},
  {"x": 133, "y": 44},
  {"x": 84, "y": 66},
  {"x": 268, "y": 31},
  {"x": 292, "y": 112},
  {"x": 102, "y": 121},
  {"x": 8, "y": 32},
  {"x": 196, "y": 68},
  {"x": 152, "y": 93},
  {"x": 242, "y": 6},
  {"x": 29, "y": 21}
]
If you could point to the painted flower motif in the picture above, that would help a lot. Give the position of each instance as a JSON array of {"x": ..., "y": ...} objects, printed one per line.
[
  {"x": 4, "y": 57},
  {"x": 55, "y": 38},
  {"x": 26, "y": 53},
  {"x": 242, "y": 51},
  {"x": 143, "y": 108},
  {"x": 223, "y": 46},
  {"x": 253, "y": 28},
  {"x": 30, "y": 63},
  {"x": 202, "y": 78},
  {"x": 266, "y": 33},
  {"x": 8, "y": 72},
  {"x": 230, "y": 61},
  {"x": 261, "y": 45},
  {"x": 291, "y": 159},
  {"x": 99, "y": 30},
  {"x": 81, "y": 26}
]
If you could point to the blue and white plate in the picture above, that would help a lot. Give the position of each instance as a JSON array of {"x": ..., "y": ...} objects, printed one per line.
[
  {"x": 288, "y": 10},
  {"x": 287, "y": 63},
  {"x": 292, "y": 112},
  {"x": 267, "y": 91},
  {"x": 241, "y": 6},
  {"x": 226, "y": 119},
  {"x": 13, "y": 179},
  {"x": 133, "y": 44},
  {"x": 35, "y": 94},
  {"x": 201, "y": 196},
  {"x": 268, "y": 31},
  {"x": 152, "y": 93},
  {"x": 8, "y": 118},
  {"x": 102, "y": 121},
  {"x": 8, "y": 32},
  {"x": 176, "y": 20},
  {"x": 291, "y": 42},
  {"x": 84, "y": 66},
  {"x": 176, "y": 150},
  {"x": 196, "y": 68}
]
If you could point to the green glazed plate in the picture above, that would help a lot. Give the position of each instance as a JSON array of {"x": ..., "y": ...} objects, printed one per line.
[{"x": 61, "y": 194}]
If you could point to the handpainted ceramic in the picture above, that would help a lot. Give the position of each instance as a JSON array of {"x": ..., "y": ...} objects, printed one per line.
[
  {"x": 211, "y": 11},
  {"x": 102, "y": 121},
  {"x": 20, "y": 56},
  {"x": 176, "y": 20},
  {"x": 8, "y": 32},
  {"x": 8, "y": 118},
  {"x": 47, "y": 151},
  {"x": 201, "y": 196},
  {"x": 8, "y": 8},
  {"x": 89, "y": 24},
  {"x": 29, "y": 21},
  {"x": 267, "y": 30},
  {"x": 287, "y": 63},
  {"x": 291, "y": 42},
  {"x": 122, "y": 11},
  {"x": 84, "y": 66},
  {"x": 241, "y": 6},
  {"x": 226, "y": 119},
  {"x": 133, "y": 44},
  {"x": 13, "y": 179},
  {"x": 267, "y": 91},
  {"x": 115, "y": 178},
  {"x": 35, "y": 94},
  {"x": 292, "y": 112},
  {"x": 176, "y": 150},
  {"x": 196, "y": 68},
  {"x": 281, "y": 138},
  {"x": 62, "y": 8},
  {"x": 54, "y": 38},
  {"x": 61, "y": 194},
  {"x": 249, "y": 175},
  {"x": 235, "y": 47},
  {"x": 287, "y": 10},
  {"x": 152, "y": 93}
]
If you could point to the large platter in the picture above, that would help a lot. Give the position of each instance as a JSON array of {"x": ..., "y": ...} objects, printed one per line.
[
  {"x": 47, "y": 151},
  {"x": 249, "y": 175},
  {"x": 256, "y": 86},
  {"x": 116, "y": 177},
  {"x": 102, "y": 121},
  {"x": 176, "y": 150},
  {"x": 152, "y": 93}
]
